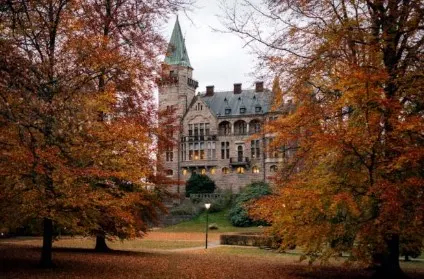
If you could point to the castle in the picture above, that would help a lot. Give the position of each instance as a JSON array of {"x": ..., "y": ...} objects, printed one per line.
[{"x": 218, "y": 133}]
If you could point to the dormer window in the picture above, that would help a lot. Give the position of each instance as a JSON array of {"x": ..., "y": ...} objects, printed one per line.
[
  {"x": 227, "y": 111},
  {"x": 258, "y": 109},
  {"x": 242, "y": 110}
]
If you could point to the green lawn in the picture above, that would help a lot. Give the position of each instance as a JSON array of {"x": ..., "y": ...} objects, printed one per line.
[{"x": 198, "y": 224}]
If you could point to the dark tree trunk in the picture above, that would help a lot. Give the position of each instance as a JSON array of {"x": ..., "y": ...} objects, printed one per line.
[
  {"x": 46, "y": 252},
  {"x": 389, "y": 267},
  {"x": 101, "y": 245}
]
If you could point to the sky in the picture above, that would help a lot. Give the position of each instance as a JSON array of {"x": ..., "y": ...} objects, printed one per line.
[{"x": 218, "y": 59}]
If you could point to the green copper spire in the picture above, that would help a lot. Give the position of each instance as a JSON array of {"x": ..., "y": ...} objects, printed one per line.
[{"x": 177, "y": 52}]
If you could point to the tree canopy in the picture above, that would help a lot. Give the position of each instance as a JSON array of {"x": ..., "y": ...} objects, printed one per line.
[
  {"x": 77, "y": 118},
  {"x": 199, "y": 184},
  {"x": 354, "y": 69}
]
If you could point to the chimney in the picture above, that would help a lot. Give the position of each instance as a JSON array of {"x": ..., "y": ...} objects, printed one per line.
[
  {"x": 209, "y": 90},
  {"x": 237, "y": 88},
  {"x": 259, "y": 86}
]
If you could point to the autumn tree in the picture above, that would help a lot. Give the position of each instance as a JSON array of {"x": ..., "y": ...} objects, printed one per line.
[
  {"x": 355, "y": 71},
  {"x": 77, "y": 121}
]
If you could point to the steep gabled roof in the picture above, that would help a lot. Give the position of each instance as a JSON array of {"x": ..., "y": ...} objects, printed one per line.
[
  {"x": 177, "y": 52},
  {"x": 254, "y": 102}
]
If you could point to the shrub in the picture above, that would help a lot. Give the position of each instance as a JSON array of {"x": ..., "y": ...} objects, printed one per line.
[
  {"x": 199, "y": 184},
  {"x": 238, "y": 213}
]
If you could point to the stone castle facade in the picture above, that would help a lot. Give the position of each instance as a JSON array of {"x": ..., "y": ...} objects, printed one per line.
[{"x": 219, "y": 134}]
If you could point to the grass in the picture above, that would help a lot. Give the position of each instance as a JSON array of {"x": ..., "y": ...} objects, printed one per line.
[
  {"x": 152, "y": 242},
  {"x": 198, "y": 223},
  {"x": 151, "y": 257}
]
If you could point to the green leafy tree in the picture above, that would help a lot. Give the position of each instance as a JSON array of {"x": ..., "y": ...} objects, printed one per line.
[
  {"x": 239, "y": 216},
  {"x": 199, "y": 184}
]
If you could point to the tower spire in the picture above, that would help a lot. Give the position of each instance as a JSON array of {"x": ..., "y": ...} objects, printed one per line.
[{"x": 177, "y": 52}]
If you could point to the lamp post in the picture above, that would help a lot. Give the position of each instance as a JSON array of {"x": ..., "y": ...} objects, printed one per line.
[{"x": 207, "y": 206}]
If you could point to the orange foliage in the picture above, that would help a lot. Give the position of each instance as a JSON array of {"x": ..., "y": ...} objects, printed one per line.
[{"x": 354, "y": 70}]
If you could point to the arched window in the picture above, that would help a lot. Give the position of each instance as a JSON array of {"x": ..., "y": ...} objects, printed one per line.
[
  {"x": 255, "y": 169},
  {"x": 225, "y": 170},
  {"x": 240, "y": 170},
  {"x": 203, "y": 171},
  {"x": 213, "y": 170},
  {"x": 254, "y": 126},
  {"x": 224, "y": 128},
  {"x": 240, "y": 127},
  {"x": 273, "y": 168},
  {"x": 185, "y": 172}
]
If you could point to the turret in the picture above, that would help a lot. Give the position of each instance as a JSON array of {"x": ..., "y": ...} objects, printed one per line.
[{"x": 176, "y": 87}]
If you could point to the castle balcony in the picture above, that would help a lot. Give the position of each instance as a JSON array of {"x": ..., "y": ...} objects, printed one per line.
[
  {"x": 192, "y": 83},
  {"x": 165, "y": 80},
  {"x": 239, "y": 161},
  {"x": 199, "y": 163},
  {"x": 198, "y": 138}
]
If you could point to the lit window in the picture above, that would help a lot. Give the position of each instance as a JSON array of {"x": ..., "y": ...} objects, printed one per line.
[
  {"x": 255, "y": 169},
  {"x": 240, "y": 170},
  {"x": 213, "y": 170},
  {"x": 185, "y": 171},
  {"x": 225, "y": 170},
  {"x": 203, "y": 171}
]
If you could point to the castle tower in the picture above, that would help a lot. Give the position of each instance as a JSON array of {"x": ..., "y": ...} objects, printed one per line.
[
  {"x": 176, "y": 92},
  {"x": 177, "y": 88}
]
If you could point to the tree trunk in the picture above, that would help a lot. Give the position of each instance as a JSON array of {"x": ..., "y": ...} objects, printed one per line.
[
  {"x": 101, "y": 245},
  {"x": 390, "y": 267},
  {"x": 46, "y": 252}
]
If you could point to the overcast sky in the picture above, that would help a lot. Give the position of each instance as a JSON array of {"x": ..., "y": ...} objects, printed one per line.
[{"x": 218, "y": 59}]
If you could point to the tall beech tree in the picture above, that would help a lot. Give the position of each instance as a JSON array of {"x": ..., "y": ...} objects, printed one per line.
[
  {"x": 355, "y": 72},
  {"x": 77, "y": 120}
]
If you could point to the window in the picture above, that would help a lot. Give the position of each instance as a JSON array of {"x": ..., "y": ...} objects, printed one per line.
[
  {"x": 198, "y": 106},
  {"x": 240, "y": 153},
  {"x": 273, "y": 168},
  {"x": 225, "y": 150},
  {"x": 255, "y": 126},
  {"x": 255, "y": 151},
  {"x": 255, "y": 169},
  {"x": 206, "y": 129},
  {"x": 240, "y": 127},
  {"x": 203, "y": 171},
  {"x": 227, "y": 111},
  {"x": 225, "y": 170},
  {"x": 169, "y": 172},
  {"x": 169, "y": 154},
  {"x": 258, "y": 109},
  {"x": 185, "y": 172},
  {"x": 190, "y": 129},
  {"x": 224, "y": 128},
  {"x": 272, "y": 150},
  {"x": 211, "y": 150},
  {"x": 169, "y": 131},
  {"x": 202, "y": 129},
  {"x": 213, "y": 171},
  {"x": 242, "y": 110},
  {"x": 240, "y": 170}
]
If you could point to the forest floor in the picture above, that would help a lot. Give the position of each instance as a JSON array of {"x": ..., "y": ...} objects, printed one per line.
[{"x": 169, "y": 255}]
